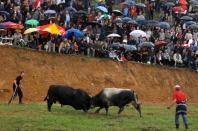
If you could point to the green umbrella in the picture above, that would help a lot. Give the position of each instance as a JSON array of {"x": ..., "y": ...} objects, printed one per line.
[{"x": 32, "y": 22}]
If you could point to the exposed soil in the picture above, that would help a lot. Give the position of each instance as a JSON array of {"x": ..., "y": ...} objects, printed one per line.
[{"x": 153, "y": 84}]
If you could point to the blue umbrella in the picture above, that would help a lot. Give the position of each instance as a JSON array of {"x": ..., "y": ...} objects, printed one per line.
[
  {"x": 128, "y": 47},
  {"x": 126, "y": 19},
  {"x": 141, "y": 22},
  {"x": 164, "y": 25},
  {"x": 76, "y": 32},
  {"x": 50, "y": 12},
  {"x": 103, "y": 9},
  {"x": 5, "y": 14}
]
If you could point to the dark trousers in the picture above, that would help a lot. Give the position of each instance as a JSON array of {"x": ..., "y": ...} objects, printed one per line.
[
  {"x": 181, "y": 109},
  {"x": 17, "y": 91}
]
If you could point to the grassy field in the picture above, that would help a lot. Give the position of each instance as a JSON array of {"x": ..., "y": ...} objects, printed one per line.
[{"x": 36, "y": 117}]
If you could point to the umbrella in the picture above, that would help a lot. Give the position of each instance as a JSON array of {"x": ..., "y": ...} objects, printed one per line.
[
  {"x": 169, "y": 4},
  {"x": 193, "y": 2},
  {"x": 160, "y": 43},
  {"x": 152, "y": 23},
  {"x": 132, "y": 22},
  {"x": 140, "y": 5},
  {"x": 81, "y": 12},
  {"x": 76, "y": 32},
  {"x": 126, "y": 19},
  {"x": 30, "y": 30},
  {"x": 118, "y": 20},
  {"x": 113, "y": 35},
  {"x": 52, "y": 28},
  {"x": 128, "y": 47},
  {"x": 138, "y": 33},
  {"x": 146, "y": 44},
  {"x": 115, "y": 46},
  {"x": 103, "y": 9},
  {"x": 11, "y": 25},
  {"x": 129, "y": 3},
  {"x": 140, "y": 17},
  {"x": 94, "y": 23},
  {"x": 141, "y": 22},
  {"x": 117, "y": 12},
  {"x": 164, "y": 25},
  {"x": 105, "y": 16},
  {"x": 186, "y": 18},
  {"x": 32, "y": 22},
  {"x": 190, "y": 23},
  {"x": 50, "y": 12},
  {"x": 5, "y": 14},
  {"x": 193, "y": 26}
]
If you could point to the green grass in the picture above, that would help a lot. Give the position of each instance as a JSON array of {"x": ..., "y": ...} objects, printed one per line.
[{"x": 36, "y": 117}]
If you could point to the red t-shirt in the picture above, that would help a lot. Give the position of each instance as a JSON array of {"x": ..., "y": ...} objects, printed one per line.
[{"x": 179, "y": 96}]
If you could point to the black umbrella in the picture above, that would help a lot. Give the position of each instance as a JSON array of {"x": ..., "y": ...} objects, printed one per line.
[
  {"x": 190, "y": 23},
  {"x": 193, "y": 26},
  {"x": 81, "y": 12},
  {"x": 118, "y": 21},
  {"x": 117, "y": 12},
  {"x": 133, "y": 22},
  {"x": 126, "y": 19},
  {"x": 146, "y": 44},
  {"x": 186, "y": 18},
  {"x": 152, "y": 23}
]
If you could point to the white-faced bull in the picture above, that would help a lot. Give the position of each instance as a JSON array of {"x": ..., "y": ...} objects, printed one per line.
[
  {"x": 115, "y": 97},
  {"x": 66, "y": 95}
]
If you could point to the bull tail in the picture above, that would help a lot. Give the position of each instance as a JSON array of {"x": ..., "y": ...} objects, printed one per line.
[{"x": 46, "y": 98}]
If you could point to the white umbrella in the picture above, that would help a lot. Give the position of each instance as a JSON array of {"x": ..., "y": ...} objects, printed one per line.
[
  {"x": 138, "y": 33},
  {"x": 113, "y": 35}
]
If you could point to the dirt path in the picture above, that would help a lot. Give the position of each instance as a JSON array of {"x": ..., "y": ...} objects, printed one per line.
[{"x": 153, "y": 84}]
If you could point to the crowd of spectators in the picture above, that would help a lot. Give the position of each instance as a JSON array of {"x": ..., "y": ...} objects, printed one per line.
[{"x": 176, "y": 45}]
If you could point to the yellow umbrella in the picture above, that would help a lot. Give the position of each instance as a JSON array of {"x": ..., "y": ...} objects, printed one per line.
[
  {"x": 30, "y": 30},
  {"x": 54, "y": 29}
]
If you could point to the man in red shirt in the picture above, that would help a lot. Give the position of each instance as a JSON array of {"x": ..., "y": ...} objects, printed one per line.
[{"x": 179, "y": 98}]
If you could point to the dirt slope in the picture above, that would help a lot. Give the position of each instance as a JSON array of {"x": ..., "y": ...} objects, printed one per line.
[{"x": 153, "y": 84}]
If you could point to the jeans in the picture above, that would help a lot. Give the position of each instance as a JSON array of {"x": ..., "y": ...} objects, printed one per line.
[
  {"x": 181, "y": 109},
  {"x": 184, "y": 116}
]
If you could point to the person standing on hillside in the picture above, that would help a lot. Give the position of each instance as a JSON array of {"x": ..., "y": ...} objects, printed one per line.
[
  {"x": 17, "y": 88},
  {"x": 179, "y": 97}
]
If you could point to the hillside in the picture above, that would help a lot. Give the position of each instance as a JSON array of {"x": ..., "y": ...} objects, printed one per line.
[{"x": 153, "y": 84}]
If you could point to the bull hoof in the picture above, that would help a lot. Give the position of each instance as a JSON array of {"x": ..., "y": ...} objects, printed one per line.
[
  {"x": 85, "y": 110},
  {"x": 96, "y": 112}
]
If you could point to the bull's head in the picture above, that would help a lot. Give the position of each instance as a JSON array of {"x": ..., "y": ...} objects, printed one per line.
[{"x": 137, "y": 104}]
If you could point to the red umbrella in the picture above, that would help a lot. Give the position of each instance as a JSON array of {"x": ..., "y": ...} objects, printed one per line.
[
  {"x": 52, "y": 28},
  {"x": 11, "y": 25},
  {"x": 160, "y": 43}
]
